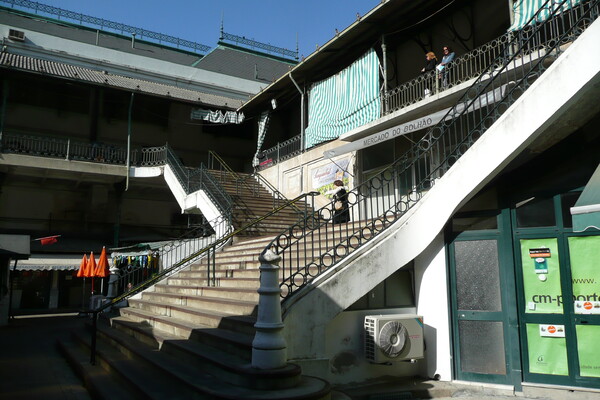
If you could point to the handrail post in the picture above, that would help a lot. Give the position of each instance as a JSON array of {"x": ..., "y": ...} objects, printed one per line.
[
  {"x": 94, "y": 333},
  {"x": 269, "y": 346}
]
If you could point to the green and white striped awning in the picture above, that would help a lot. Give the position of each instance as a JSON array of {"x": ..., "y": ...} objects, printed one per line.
[
  {"x": 344, "y": 101},
  {"x": 524, "y": 10}
]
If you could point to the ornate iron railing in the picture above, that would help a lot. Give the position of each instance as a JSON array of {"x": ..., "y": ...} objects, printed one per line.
[
  {"x": 462, "y": 69},
  {"x": 167, "y": 255},
  {"x": 280, "y": 152},
  {"x": 317, "y": 243},
  {"x": 67, "y": 149},
  {"x": 253, "y": 183},
  {"x": 253, "y": 44},
  {"x": 107, "y": 25}
]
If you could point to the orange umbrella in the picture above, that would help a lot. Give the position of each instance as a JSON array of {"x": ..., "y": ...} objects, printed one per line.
[
  {"x": 91, "y": 269},
  {"x": 102, "y": 268},
  {"x": 91, "y": 266},
  {"x": 82, "y": 273}
]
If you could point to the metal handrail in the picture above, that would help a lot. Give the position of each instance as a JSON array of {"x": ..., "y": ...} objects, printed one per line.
[
  {"x": 280, "y": 152},
  {"x": 380, "y": 201},
  {"x": 207, "y": 251},
  {"x": 170, "y": 253},
  {"x": 253, "y": 182}
]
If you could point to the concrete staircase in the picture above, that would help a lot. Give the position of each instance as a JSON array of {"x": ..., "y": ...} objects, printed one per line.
[
  {"x": 252, "y": 200},
  {"x": 186, "y": 339}
]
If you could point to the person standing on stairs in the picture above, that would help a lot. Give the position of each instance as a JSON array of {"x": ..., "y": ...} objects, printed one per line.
[{"x": 341, "y": 212}]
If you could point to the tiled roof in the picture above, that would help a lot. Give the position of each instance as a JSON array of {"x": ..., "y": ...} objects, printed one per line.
[
  {"x": 244, "y": 64},
  {"x": 61, "y": 70}
]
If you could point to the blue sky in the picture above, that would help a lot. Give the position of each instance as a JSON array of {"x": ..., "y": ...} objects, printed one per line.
[{"x": 276, "y": 22}]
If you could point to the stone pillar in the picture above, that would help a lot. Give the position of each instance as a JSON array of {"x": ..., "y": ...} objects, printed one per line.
[
  {"x": 53, "y": 301},
  {"x": 269, "y": 346},
  {"x": 113, "y": 281}
]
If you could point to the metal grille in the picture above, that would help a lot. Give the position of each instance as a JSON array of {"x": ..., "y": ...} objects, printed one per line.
[{"x": 370, "y": 348}]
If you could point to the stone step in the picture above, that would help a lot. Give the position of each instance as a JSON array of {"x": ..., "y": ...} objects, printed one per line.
[
  {"x": 166, "y": 317},
  {"x": 229, "y": 306},
  {"x": 247, "y": 283},
  {"x": 141, "y": 378},
  {"x": 221, "y": 292},
  {"x": 98, "y": 381},
  {"x": 203, "y": 372},
  {"x": 233, "y": 342},
  {"x": 253, "y": 272}
]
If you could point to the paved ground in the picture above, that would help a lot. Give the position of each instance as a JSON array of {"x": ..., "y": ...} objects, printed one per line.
[{"x": 31, "y": 366}]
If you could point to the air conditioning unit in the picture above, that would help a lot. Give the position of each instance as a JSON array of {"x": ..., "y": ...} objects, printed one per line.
[
  {"x": 14, "y": 34},
  {"x": 390, "y": 338}
]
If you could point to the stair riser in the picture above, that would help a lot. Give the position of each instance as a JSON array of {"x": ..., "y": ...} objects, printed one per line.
[
  {"x": 239, "y": 349},
  {"x": 227, "y": 283},
  {"x": 253, "y": 273},
  {"x": 202, "y": 303},
  {"x": 147, "y": 340},
  {"x": 119, "y": 374},
  {"x": 163, "y": 325},
  {"x": 225, "y": 293}
]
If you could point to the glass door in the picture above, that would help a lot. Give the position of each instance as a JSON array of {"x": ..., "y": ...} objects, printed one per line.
[{"x": 481, "y": 293}]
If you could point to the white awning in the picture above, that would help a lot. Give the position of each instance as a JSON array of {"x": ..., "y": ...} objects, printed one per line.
[
  {"x": 50, "y": 262},
  {"x": 417, "y": 124}
]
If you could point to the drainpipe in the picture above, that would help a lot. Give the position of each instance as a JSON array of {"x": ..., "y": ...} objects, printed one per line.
[
  {"x": 129, "y": 141},
  {"x": 385, "y": 86},
  {"x": 3, "y": 108},
  {"x": 302, "y": 111}
]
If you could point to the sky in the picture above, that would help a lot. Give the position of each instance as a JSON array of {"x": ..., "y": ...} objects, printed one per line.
[{"x": 275, "y": 22}]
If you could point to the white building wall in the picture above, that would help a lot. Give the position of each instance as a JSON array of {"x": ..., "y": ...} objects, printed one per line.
[{"x": 432, "y": 296}]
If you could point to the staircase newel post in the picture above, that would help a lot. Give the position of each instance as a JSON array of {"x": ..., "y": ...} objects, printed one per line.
[{"x": 269, "y": 346}]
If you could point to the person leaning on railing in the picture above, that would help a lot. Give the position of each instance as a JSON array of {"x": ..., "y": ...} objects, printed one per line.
[
  {"x": 430, "y": 63},
  {"x": 443, "y": 65}
]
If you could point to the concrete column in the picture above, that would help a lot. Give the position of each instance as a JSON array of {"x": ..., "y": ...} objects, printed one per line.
[
  {"x": 53, "y": 302},
  {"x": 269, "y": 346},
  {"x": 113, "y": 281}
]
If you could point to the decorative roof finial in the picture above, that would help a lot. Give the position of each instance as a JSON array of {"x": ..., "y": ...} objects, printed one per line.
[{"x": 222, "y": 28}]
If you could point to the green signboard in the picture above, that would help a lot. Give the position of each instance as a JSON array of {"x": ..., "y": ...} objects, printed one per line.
[
  {"x": 588, "y": 350},
  {"x": 547, "y": 354},
  {"x": 541, "y": 276},
  {"x": 585, "y": 273}
]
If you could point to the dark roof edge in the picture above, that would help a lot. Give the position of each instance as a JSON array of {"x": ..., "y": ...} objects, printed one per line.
[
  {"x": 257, "y": 53},
  {"x": 90, "y": 29},
  {"x": 321, "y": 49}
]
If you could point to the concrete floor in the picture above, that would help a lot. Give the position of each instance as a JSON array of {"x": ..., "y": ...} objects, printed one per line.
[{"x": 31, "y": 366}]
